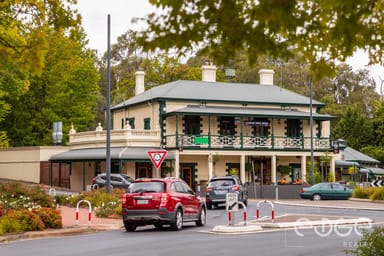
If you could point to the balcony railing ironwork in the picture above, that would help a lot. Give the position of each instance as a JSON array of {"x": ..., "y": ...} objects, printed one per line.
[{"x": 245, "y": 142}]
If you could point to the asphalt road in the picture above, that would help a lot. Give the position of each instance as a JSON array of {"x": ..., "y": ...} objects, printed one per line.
[{"x": 198, "y": 241}]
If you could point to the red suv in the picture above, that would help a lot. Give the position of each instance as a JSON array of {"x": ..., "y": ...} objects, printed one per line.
[{"x": 158, "y": 202}]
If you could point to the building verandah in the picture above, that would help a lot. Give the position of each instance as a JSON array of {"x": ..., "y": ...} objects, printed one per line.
[{"x": 261, "y": 166}]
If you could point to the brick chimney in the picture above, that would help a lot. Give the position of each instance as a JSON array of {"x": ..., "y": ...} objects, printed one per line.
[
  {"x": 209, "y": 73},
  {"x": 139, "y": 87},
  {"x": 266, "y": 76}
]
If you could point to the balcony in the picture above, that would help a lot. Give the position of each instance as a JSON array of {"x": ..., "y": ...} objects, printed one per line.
[
  {"x": 246, "y": 142},
  {"x": 119, "y": 138}
]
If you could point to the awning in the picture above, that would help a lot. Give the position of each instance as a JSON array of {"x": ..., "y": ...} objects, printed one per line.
[
  {"x": 376, "y": 170},
  {"x": 118, "y": 153},
  {"x": 345, "y": 164},
  {"x": 248, "y": 112},
  {"x": 365, "y": 171}
]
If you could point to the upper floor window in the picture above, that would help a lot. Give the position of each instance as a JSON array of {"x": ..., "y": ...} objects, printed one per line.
[
  {"x": 227, "y": 125},
  {"x": 131, "y": 122},
  {"x": 147, "y": 123},
  {"x": 192, "y": 125},
  {"x": 293, "y": 128},
  {"x": 260, "y": 126}
]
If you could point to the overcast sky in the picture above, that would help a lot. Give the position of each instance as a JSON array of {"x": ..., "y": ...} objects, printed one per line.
[{"x": 95, "y": 14}]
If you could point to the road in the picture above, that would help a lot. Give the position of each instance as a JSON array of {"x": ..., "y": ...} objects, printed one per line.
[{"x": 198, "y": 241}]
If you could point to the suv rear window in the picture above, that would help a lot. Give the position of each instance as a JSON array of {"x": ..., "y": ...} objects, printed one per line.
[
  {"x": 145, "y": 187},
  {"x": 224, "y": 182}
]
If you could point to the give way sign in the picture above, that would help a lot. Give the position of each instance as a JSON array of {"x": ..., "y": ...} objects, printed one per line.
[{"x": 157, "y": 157}]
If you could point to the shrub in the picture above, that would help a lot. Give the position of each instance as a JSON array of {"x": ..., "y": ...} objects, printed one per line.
[
  {"x": 50, "y": 217},
  {"x": 9, "y": 225},
  {"x": 368, "y": 193},
  {"x": 104, "y": 204},
  {"x": 360, "y": 193},
  {"x": 28, "y": 220},
  {"x": 17, "y": 196},
  {"x": 371, "y": 244},
  {"x": 377, "y": 194}
]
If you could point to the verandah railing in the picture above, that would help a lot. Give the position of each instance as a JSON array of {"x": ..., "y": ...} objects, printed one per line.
[{"x": 245, "y": 142}]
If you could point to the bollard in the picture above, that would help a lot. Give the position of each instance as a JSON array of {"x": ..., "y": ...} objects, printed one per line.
[
  {"x": 229, "y": 218},
  {"x": 52, "y": 191},
  {"x": 89, "y": 211},
  {"x": 277, "y": 193},
  {"x": 272, "y": 206}
]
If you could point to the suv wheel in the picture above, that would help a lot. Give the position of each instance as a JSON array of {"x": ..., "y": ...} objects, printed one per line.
[
  {"x": 178, "y": 222},
  {"x": 209, "y": 206},
  {"x": 202, "y": 218},
  {"x": 129, "y": 226}
]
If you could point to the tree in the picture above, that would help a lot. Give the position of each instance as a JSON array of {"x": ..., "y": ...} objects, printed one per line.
[
  {"x": 24, "y": 26},
  {"x": 317, "y": 32},
  {"x": 66, "y": 91},
  {"x": 350, "y": 127}
]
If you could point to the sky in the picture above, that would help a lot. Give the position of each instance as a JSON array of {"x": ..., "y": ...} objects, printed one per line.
[{"x": 95, "y": 15}]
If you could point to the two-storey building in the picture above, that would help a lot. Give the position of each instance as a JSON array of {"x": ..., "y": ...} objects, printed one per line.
[{"x": 208, "y": 128}]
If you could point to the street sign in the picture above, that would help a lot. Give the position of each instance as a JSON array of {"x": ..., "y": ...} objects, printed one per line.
[
  {"x": 231, "y": 203},
  {"x": 377, "y": 183},
  {"x": 157, "y": 157}
]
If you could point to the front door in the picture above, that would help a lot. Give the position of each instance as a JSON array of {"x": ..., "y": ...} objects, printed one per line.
[
  {"x": 143, "y": 171},
  {"x": 187, "y": 174}
]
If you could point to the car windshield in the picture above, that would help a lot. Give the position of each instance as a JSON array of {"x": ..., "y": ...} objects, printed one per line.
[
  {"x": 128, "y": 178},
  {"x": 222, "y": 183},
  {"x": 143, "y": 187}
]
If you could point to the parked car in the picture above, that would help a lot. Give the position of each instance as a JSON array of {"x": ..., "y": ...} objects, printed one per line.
[
  {"x": 159, "y": 202},
  {"x": 326, "y": 190},
  {"x": 218, "y": 187},
  {"x": 117, "y": 180}
]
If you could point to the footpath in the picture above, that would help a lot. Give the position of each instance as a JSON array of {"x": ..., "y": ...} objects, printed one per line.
[{"x": 71, "y": 226}]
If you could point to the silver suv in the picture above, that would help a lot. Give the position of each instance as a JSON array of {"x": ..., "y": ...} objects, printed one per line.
[
  {"x": 218, "y": 187},
  {"x": 117, "y": 180}
]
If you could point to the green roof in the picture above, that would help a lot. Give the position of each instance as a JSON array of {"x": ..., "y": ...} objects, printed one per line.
[
  {"x": 350, "y": 154},
  {"x": 221, "y": 92},
  {"x": 117, "y": 153}
]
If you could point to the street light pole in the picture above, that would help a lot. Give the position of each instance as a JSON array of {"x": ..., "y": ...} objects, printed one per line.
[
  {"x": 311, "y": 131},
  {"x": 108, "y": 153}
]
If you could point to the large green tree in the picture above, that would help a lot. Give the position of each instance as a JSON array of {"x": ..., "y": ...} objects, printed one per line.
[
  {"x": 66, "y": 91},
  {"x": 24, "y": 27},
  {"x": 317, "y": 32}
]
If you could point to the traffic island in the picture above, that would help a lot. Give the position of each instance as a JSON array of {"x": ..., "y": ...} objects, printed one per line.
[{"x": 290, "y": 221}]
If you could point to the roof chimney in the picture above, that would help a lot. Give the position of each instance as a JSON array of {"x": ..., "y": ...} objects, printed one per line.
[
  {"x": 266, "y": 76},
  {"x": 139, "y": 88},
  {"x": 209, "y": 73}
]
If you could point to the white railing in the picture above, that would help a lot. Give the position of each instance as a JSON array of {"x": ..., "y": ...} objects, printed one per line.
[{"x": 127, "y": 137}]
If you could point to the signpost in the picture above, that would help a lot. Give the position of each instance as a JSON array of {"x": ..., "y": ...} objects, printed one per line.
[
  {"x": 232, "y": 204},
  {"x": 157, "y": 157},
  {"x": 377, "y": 183}
]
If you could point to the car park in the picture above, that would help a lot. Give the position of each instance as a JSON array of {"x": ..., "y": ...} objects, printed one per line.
[
  {"x": 218, "y": 187},
  {"x": 326, "y": 190},
  {"x": 159, "y": 202},
  {"x": 117, "y": 180}
]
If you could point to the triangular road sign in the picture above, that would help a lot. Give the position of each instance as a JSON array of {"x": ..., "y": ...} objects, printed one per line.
[{"x": 157, "y": 157}]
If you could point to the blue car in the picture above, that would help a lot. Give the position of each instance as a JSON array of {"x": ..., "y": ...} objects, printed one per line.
[{"x": 326, "y": 190}]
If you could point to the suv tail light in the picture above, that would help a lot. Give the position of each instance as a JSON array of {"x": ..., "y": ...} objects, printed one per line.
[
  {"x": 123, "y": 201},
  {"x": 208, "y": 189},
  {"x": 163, "y": 200},
  {"x": 236, "y": 188}
]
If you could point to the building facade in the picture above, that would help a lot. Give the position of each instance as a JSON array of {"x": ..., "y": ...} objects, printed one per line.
[{"x": 256, "y": 131}]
